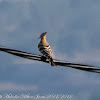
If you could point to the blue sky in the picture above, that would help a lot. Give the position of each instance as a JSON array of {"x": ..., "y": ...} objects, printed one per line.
[{"x": 73, "y": 33}]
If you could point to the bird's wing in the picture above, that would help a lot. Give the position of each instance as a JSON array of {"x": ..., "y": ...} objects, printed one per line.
[
  {"x": 45, "y": 50},
  {"x": 43, "y": 59}
]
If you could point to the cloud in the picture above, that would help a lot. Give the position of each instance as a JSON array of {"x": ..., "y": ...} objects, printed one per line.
[
  {"x": 25, "y": 61},
  {"x": 82, "y": 84},
  {"x": 10, "y": 28},
  {"x": 16, "y": 87},
  {"x": 1, "y": 0},
  {"x": 81, "y": 57},
  {"x": 17, "y": 1},
  {"x": 85, "y": 57}
]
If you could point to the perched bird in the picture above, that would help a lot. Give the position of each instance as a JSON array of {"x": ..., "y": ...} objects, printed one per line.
[{"x": 45, "y": 48}]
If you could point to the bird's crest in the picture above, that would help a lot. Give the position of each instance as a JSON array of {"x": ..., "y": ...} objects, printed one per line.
[{"x": 43, "y": 34}]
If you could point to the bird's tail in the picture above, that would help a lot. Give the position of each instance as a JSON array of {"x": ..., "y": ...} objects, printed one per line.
[{"x": 52, "y": 62}]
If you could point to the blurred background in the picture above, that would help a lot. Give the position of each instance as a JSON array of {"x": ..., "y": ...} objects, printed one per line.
[{"x": 73, "y": 28}]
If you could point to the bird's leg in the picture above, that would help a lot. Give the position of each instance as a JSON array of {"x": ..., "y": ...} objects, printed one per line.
[{"x": 43, "y": 58}]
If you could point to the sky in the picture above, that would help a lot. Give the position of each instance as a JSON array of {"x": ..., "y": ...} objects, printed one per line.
[{"x": 73, "y": 32}]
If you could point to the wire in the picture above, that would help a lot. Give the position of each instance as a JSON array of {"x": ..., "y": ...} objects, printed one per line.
[{"x": 43, "y": 59}]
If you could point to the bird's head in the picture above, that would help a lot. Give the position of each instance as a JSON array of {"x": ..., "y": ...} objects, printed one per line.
[{"x": 43, "y": 35}]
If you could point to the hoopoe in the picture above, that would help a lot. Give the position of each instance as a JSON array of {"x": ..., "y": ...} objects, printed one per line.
[{"x": 45, "y": 48}]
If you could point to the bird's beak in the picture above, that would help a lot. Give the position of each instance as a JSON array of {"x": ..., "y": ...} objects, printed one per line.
[
  {"x": 45, "y": 32},
  {"x": 39, "y": 38}
]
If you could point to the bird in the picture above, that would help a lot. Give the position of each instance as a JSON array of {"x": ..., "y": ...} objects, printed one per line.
[{"x": 45, "y": 48}]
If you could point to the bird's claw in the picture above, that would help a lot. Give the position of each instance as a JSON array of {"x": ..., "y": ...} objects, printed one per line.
[{"x": 43, "y": 58}]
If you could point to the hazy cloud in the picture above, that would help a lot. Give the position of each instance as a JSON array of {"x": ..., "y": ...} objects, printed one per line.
[
  {"x": 26, "y": 61},
  {"x": 16, "y": 87}
]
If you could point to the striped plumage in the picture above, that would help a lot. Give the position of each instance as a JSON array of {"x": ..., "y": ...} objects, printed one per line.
[{"x": 45, "y": 48}]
